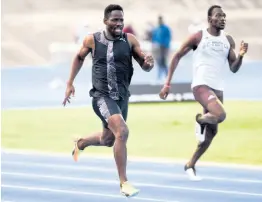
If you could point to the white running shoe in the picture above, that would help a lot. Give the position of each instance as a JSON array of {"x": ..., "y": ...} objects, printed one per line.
[
  {"x": 191, "y": 173},
  {"x": 128, "y": 190},
  {"x": 200, "y": 131}
]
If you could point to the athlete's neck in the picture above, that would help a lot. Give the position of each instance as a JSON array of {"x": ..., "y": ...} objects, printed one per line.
[
  {"x": 213, "y": 31},
  {"x": 109, "y": 36}
]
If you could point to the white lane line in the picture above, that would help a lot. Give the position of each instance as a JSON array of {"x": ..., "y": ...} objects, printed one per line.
[
  {"x": 7, "y": 201},
  {"x": 37, "y": 176},
  {"x": 133, "y": 171},
  {"x": 54, "y": 107},
  {"x": 66, "y": 191},
  {"x": 132, "y": 158}
]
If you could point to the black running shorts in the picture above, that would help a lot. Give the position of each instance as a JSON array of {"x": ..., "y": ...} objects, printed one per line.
[{"x": 104, "y": 107}]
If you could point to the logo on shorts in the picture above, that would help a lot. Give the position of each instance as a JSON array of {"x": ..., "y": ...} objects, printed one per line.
[
  {"x": 211, "y": 97},
  {"x": 102, "y": 106}
]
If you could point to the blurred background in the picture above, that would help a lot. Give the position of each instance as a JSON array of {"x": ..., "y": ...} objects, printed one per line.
[{"x": 39, "y": 39}]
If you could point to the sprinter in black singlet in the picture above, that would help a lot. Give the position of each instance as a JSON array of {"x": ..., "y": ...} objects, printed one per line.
[{"x": 112, "y": 52}]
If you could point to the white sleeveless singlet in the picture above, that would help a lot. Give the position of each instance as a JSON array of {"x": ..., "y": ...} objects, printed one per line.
[{"x": 210, "y": 60}]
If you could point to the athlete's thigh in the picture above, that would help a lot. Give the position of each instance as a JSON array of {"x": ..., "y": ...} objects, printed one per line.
[
  {"x": 208, "y": 99},
  {"x": 117, "y": 122},
  {"x": 118, "y": 126},
  {"x": 104, "y": 107},
  {"x": 213, "y": 128},
  {"x": 220, "y": 97},
  {"x": 110, "y": 114}
]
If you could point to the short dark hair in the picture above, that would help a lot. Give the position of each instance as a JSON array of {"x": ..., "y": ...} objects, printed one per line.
[
  {"x": 110, "y": 8},
  {"x": 210, "y": 10}
]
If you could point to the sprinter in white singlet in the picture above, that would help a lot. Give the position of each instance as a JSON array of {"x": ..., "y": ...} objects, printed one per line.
[{"x": 213, "y": 52}]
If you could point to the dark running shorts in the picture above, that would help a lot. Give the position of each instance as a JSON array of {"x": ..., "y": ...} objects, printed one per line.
[
  {"x": 203, "y": 94},
  {"x": 104, "y": 107}
]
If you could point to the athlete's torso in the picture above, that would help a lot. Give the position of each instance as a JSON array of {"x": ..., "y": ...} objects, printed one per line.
[
  {"x": 112, "y": 67},
  {"x": 210, "y": 60}
]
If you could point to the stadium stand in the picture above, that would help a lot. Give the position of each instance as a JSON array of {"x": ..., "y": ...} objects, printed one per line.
[{"x": 31, "y": 30}]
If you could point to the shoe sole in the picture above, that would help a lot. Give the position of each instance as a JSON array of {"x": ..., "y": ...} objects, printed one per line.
[
  {"x": 195, "y": 179},
  {"x": 200, "y": 136},
  {"x": 129, "y": 196},
  {"x": 192, "y": 178},
  {"x": 75, "y": 152}
]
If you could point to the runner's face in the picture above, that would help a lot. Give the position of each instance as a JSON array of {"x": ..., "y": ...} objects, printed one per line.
[
  {"x": 115, "y": 23},
  {"x": 218, "y": 19}
]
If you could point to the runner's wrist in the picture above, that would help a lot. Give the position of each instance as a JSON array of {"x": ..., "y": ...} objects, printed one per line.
[{"x": 69, "y": 83}]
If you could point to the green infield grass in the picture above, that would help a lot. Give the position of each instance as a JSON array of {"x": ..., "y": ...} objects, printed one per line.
[{"x": 156, "y": 130}]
